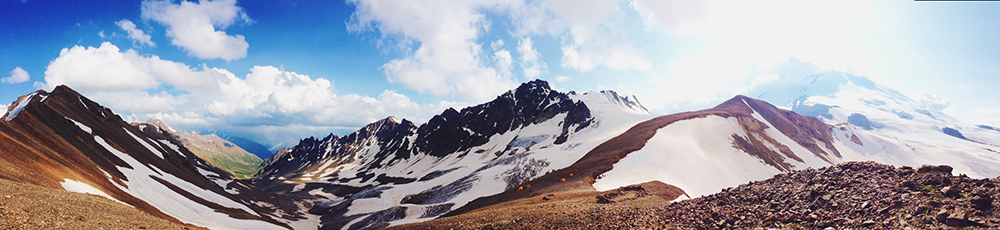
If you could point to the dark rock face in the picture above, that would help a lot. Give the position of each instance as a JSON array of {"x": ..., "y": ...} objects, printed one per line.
[
  {"x": 531, "y": 103},
  {"x": 859, "y": 120},
  {"x": 953, "y": 132},
  {"x": 850, "y": 195},
  {"x": 450, "y": 132},
  {"x": 388, "y": 133}
]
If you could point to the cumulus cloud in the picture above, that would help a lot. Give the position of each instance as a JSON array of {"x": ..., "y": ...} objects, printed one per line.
[
  {"x": 134, "y": 34},
  {"x": 448, "y": 60},
  {"x": 17, "y": 75},
  {"x": 531, "y": 60},
  {"x": 193, "y": 26},
  {"x": 590, "y": 31},
  {"x": 268, "y": 98},
  {"x": 107, "y": 68}
]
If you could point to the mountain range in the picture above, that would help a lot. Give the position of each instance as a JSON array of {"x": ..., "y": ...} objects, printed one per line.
[{"x": 528, "y": 147}]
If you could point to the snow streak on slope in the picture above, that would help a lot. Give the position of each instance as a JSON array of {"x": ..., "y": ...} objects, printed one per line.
[
  {"x": 887, "y": 126},
  {"x": 381, "y": 176},
  {"x": 20, "y": 104}
]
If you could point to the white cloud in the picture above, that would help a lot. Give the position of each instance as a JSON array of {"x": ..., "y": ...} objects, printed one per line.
[
  {"x": 106, "y": 68},
  {"x": 503, "y": 62},
  {"x": 987, "y": 116},
  {"x": 762, "y": 78},
  {"x": 17, "y": 75},
  {"x": 448, "y": 60},
  {"x": 531, "y": 60},
  {"x": 101, "y": 34},
  {"x": 134, "y": 34},
  {"x": 738, "y": 36},
  {"x": 590, "y": 31},
  {"x": 186, "y": 118},
  {"x": 268, "y": 98},
  {"x": 676, "y": 15},
  {"x": 192, "y": 26},
  {"x": 563, "y": 79}
]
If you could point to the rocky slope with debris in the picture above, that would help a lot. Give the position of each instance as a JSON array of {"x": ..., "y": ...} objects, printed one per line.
[
  {"x": 27, "y": 206},
  {"x": 857, "y": 194},
  {"x": 848, "y": 195}
]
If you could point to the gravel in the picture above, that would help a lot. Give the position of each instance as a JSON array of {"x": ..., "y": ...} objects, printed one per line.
[{"x": 26, "y": 206}]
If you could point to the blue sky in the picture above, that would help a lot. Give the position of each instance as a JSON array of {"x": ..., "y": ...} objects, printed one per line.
[{"x": 281, "y": 70}]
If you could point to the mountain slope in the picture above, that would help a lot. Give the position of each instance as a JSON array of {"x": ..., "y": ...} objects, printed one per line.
[
  {"x": 216, "y": 151},
  {"x": 393, "y": 172},
  {"x": 62, "y": 140},
  {"x": 891, "y": 127}
]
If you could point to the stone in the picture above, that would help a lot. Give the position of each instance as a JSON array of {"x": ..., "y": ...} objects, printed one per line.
[{"x": 957, "y": 218}]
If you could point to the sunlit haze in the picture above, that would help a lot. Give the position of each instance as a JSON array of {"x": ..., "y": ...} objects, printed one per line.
[{"x": 282, "y": 70}]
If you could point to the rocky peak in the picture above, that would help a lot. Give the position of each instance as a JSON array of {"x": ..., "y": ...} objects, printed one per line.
[
  {"x": 803, "y": 129},
  {"x": 531, "y": 103}
]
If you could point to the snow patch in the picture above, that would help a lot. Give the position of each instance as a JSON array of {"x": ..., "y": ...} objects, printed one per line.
[
  {"x": 83, "y": 127},
  {"x": 80, "y": 187},
  {"x": 19, "y": 107},
  {"x": 172, "y": 146},
  {"x": 144, "y": 143}
]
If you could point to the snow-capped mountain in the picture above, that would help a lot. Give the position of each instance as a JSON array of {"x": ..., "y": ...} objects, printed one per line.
[
  {"x": 393, "y": 172},
  {"x": 63, "y": 140},
  {"x": 890, "y": 127}
]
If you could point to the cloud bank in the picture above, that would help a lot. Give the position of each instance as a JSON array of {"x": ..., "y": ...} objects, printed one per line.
[{"x": 268, "y": 99}]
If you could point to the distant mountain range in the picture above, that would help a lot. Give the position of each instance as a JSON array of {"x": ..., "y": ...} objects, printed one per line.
[
  {"x": 530, "y": 146},
  {"x": 216, "y": 151},
  {"x": 261, "y": 151}
]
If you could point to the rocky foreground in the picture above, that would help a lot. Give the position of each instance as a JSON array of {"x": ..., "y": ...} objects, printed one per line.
[
  {"x": 27, "y": 206},
  {"x": 850, "y": 195},
  {"x": 857, "y": 194}
]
